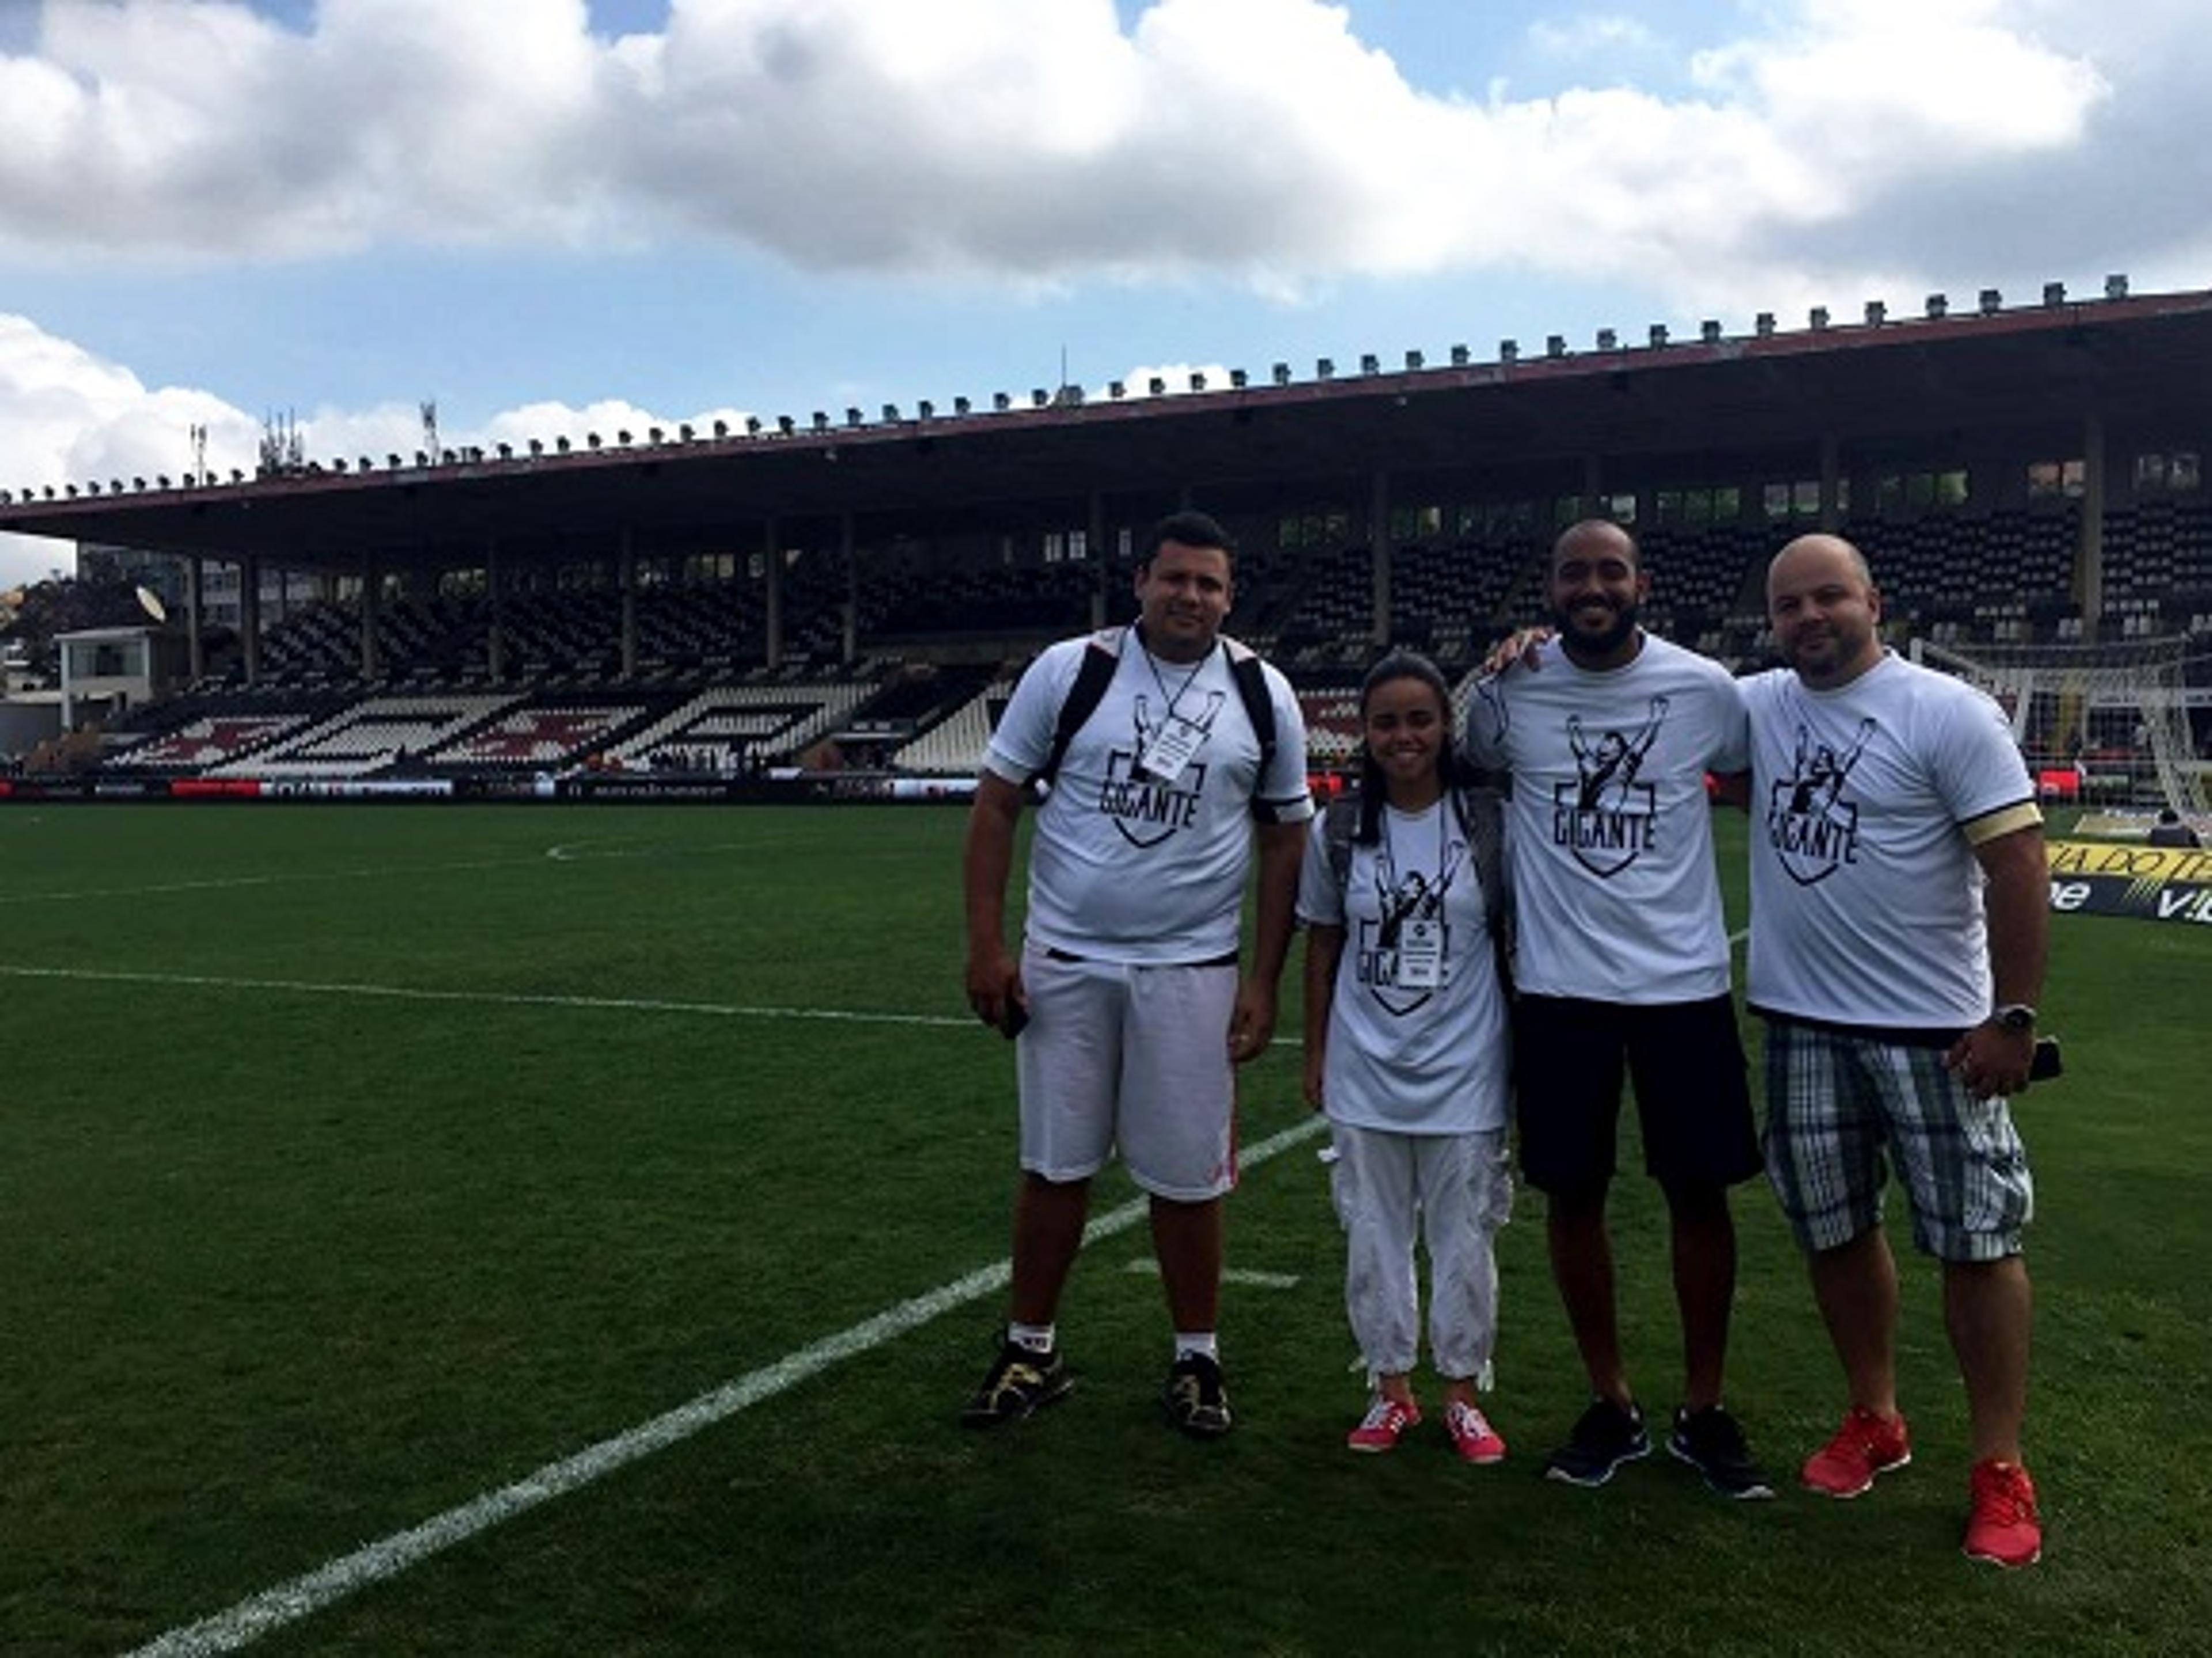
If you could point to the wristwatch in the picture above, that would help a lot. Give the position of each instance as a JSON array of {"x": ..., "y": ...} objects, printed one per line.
[{"x": 2014, "y": 1016}]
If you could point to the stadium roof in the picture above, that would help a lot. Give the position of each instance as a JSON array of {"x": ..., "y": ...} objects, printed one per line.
[{"x": 1930, "y": 381}]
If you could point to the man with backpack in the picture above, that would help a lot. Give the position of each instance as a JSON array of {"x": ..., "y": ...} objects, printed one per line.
[{"x": 1169, "y": 752}]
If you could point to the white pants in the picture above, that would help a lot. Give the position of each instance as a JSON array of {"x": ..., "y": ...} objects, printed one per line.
[
  {"x": 1133, "y": 1059},
  {"x": 1458, "y": 1189}
]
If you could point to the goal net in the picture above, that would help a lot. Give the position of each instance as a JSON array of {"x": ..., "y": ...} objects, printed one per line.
[{"x": 2126, "y": 719}]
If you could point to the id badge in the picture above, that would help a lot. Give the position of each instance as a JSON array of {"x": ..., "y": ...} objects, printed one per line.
[
  {"x": 1420, "y": 955},
  {"x": 1170, "y": 749}
]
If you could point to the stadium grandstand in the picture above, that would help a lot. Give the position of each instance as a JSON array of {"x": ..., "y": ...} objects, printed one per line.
[{"x": 858, "y": 593}]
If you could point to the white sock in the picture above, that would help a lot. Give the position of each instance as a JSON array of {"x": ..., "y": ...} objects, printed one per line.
[
  {"x": 1187, "y": 1342},
  {"x": 1036, "y": 1337}
]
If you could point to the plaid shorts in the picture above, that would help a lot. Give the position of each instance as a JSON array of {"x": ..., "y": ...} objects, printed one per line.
[{"x": 1836, "y": 1102}]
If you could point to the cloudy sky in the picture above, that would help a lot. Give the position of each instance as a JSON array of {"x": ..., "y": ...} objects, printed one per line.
[{"x": 555, "y": 215}]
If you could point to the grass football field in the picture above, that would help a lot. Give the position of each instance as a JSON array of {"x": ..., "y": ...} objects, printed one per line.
[{"x": 571, "y": 1230}]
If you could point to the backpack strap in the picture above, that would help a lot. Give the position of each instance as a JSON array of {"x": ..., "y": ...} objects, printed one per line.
[{"x": 1100, "y": 656}]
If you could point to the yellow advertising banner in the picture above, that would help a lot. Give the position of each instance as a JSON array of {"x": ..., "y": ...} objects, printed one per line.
[{"x": 2159, "y": 883}]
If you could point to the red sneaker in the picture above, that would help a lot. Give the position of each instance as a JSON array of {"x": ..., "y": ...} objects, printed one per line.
[
  {"x": 2004, "y": 1528},
  {"x": 1472, "y": 1436},
  {"x": 1863, "y": 1447},
  {"x": 1385, "y": 1422}
]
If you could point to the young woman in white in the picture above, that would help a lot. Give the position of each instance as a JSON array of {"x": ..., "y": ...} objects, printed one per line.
[{"x": 1406, "y": 1051}]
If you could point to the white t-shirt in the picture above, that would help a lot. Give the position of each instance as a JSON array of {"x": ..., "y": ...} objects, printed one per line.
[
  {"x": 1865, "y": 899},
  {"x": 1125, "y": 867},
  {"x": 1413, "y": 1059},
  {"x": 1609, "y": 835}
]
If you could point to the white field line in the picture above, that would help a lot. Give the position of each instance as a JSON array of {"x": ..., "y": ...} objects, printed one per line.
[
  {"x": 1239, "y": 1275},
  {"x": 575, "y": 852},
  {"x": 490, "y": 997},
  {"x": 301, "y": 1597}
]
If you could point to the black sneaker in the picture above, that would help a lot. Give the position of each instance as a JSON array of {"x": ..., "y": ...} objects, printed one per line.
[
  {"x": 1194, "y": 1399},
  {"x": 1019, "y": 1383},
  {"x": 1605, "y": 1436},
  {"x": 1710, "y": 1441}
]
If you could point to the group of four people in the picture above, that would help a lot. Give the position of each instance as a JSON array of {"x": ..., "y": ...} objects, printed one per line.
[{"x": 1897, "y": 946}]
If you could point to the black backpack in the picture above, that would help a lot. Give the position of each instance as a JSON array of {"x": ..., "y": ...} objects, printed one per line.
[{"x": 1103, "y": 656}]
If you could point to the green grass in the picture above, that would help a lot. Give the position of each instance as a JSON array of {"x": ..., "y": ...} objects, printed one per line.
[{"x": 288, "y": 1270}]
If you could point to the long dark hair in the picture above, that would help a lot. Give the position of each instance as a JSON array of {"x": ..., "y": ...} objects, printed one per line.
[{"x": 1452, "y": 768}]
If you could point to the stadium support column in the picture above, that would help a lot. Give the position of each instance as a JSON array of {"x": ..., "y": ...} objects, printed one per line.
[
  {"x": 195, "y": 617},
  {"x": 370, "y": 581},
  {"x": 1094, "y": 547},
  {"x": 495, "y": 634},
  {"x": 849, "y": 643},
  {"x": 1832, "y": 465},
  {"x": 626, "y": 580},
  {"x": 772, "y": 594},
  {"x": 249, "y": 615},
  {"x": 2089, "y": 555},
  {"x": 1378, "y": 529}
]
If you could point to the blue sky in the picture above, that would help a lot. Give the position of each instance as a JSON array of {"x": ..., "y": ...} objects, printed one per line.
[{"x": 549, "y": 216}]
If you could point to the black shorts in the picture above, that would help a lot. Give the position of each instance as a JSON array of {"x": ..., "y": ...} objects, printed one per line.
[{"x": 1692, "y": 1098}]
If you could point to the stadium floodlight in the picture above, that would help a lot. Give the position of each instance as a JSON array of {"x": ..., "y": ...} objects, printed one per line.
[
  {"x": 622, "y": 437},
  {"x": 592, "y": 439},
  {"x": 1414, "y": 360},
  {"x": 785, "y": 424},
  {"x": 507, "y": 452},
  {"x": 448, "y": 457},
  {"x": 684, "y": 434},
  {"x": 1555, "y": 345},
  {"x": 721, "y": 428},
  {"x": 1280, "y": 373},
  {"x": 924, "y": 410},
  {"x": 1370, "y": 363},
  {"x": 1607, "y": 339},
  {"x": 1708, "y": 331},
  {"x": 1001, "y": 401},
  {"x": 1238, "y": 379},
  {"x": 961, "y": 405},
  {"x": 821, "y": 420},
  {"x": 338, "y": 463},
  {"x": 1817, "y": 317},
  {"x": 1938, "y": 306},
  {"x": 1116, "y": 389},
  {"x": 1039, "y": 396},
  {"x": 752, "y": 425},
  {"x": 1461, "y": 356},
  {"x": 655, "y": 436},
  {"x": 115, "y": 486},
  {"x": 1509, "y": 350},
  {"x": 562, "y": 444},
  {"x": 69, "y": 489},
  {"x": 1876, "y": 313},
  {"x": 853, "y": 416},
  {"x": 1157, "y": 386},
  {"x": 890, "y": 414},
  {"x": 1992, "y": 301},
  {"x": 1763, "y": 325},
  {"x": 237, "y": 476},
  {"x": 161, "y": 478},
  {"x": 536, "y": 448},
  {"x": 5, "y": 498},
  {"x": 1324, "y": 368},
  {"x": 1197, "y": 382},
  {"x": 2116, "y": 286},
  {"x": 2054, "y": 293},
  {"x": 1657, "y": 335}
]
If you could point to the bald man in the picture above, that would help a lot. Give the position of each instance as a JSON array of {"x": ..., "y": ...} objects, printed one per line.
[{"x": 1897, "y": 943}]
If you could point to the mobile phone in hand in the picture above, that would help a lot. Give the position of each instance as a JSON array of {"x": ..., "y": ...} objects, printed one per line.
[
  {"x": 1016, "y": 1019},
  {"x": 2048, "y": 1062}
]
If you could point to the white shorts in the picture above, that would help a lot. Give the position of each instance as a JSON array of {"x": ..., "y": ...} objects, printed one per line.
[{"x": 1133, "y": 1058}]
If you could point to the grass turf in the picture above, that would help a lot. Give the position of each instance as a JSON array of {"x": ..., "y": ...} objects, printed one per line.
[{"x": 293, "y": 1265}]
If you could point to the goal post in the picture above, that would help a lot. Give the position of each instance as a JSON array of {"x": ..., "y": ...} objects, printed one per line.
[{"x": 2123, "y": 718}]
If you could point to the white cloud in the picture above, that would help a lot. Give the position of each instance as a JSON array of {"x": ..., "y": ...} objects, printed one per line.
[
  {"x": 1023, "y": 141},
  {"x": 68, "y": 414}
]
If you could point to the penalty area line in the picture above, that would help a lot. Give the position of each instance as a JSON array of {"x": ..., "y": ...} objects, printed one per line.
[{"x": 303, "y": 1596}]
